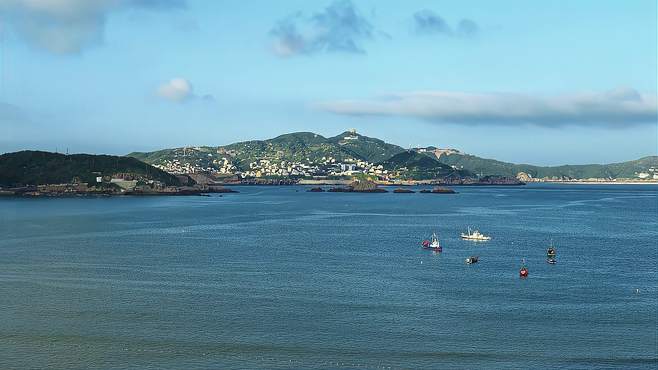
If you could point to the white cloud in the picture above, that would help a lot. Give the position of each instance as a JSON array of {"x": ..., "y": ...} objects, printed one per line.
[
  {"x": 180, "y": 90},
  {"x": 68, "y": 26},
  {"x": 616, "y": 107},
  {"x": 177, "y": 89}
]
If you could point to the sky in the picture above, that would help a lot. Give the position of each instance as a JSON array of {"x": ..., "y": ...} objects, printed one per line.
[{"x": 546, "y": 83}]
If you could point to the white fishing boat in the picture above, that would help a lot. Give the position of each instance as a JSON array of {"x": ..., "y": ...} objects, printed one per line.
[{"x": 475, "y": 235}]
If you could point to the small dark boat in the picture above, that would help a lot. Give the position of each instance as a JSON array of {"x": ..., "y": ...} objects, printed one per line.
[
  {"x": 471, "y": 260},
  {"x": 551, "y": 252},
  {"x": 551, "y": 261}
]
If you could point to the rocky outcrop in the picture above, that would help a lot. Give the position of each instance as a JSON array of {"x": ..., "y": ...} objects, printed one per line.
[{"x": 359, "y": 186}]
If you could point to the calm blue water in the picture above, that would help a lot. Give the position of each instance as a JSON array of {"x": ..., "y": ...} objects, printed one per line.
[{"x": 276, "y": 277}]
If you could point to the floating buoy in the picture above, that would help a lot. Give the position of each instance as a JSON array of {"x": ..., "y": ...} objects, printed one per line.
[{"x": 523, "y": 272}]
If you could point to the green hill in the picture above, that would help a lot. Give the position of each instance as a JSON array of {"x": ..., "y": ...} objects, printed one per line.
[
  {"x": 303, "y": 147},
  {"x": 300, "y": 147},
  {"x": 413, "y": 165},
  {"x": 37, "y": 168},
  {"x": 493, "y": 167},
  {"x": 371, "y": 149}
]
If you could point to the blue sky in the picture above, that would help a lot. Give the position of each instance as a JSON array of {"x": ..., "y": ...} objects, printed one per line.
[{"x": 534, "y": 82}]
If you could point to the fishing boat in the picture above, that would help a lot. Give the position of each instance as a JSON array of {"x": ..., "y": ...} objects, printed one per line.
[
  {"x": 433, "y": 244},
  {"x": 471, "y": 260},
  {"x": 475, "y": 235}
]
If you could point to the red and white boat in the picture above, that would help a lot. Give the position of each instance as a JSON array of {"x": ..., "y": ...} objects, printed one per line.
[{"x": 433, "y": 244}]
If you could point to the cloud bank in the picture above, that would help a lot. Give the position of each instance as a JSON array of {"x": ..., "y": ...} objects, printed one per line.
[
  {"x": 180, "y": 90},
  {"x": 426, "y": 22},
  {"x": 69, "y": 26},
  {"x": 616, "y": 108},
  {"x": 338, "y": 28}
]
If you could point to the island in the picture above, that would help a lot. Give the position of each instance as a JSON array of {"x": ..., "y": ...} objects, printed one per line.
[
  {"x": 438, "y": 190},
  {"x": 359, "y": 186}
]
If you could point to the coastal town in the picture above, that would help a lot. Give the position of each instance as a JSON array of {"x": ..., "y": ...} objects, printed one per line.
[{"x": 263, "y": 168}]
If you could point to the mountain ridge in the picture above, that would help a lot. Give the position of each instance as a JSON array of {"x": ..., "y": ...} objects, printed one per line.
[
  {"x": 487, "y": 166},
  {"x": 352, "y": 147}
]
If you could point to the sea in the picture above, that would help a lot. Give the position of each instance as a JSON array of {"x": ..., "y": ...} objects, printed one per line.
[{"x": 281, "y": 278}]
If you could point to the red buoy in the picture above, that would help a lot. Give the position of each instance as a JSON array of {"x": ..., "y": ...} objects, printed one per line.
[
  {"x": 523, "y": 272},
  {"x": 426, "y": 243}
]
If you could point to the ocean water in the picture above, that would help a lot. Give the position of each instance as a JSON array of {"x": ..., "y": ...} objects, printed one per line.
[{"x": 278, "y": 278}]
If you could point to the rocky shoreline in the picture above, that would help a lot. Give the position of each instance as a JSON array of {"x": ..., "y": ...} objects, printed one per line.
[
  {"x": 484, "y": 181},
  {"x": 71, "y": 190}
]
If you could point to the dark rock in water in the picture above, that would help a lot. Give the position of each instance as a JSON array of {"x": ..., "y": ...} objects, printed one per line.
[
  {"x": 438, "y": 190},
  {"x": 316, "y": 190},
  {"x": 403, "y": 191},
  {"x": 363, "y": 186},
  {"x": 366, "y": 186},
  {"x": 220, "y": 190}
]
